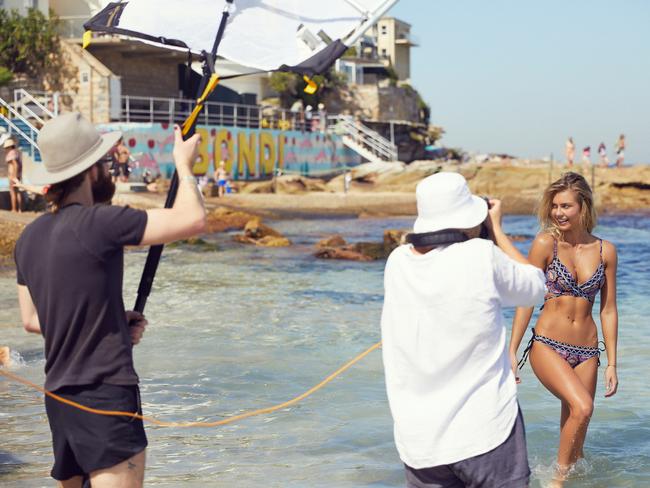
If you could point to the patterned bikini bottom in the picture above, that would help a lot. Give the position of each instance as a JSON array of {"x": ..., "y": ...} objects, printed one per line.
[{"x": 574, "y": 355}]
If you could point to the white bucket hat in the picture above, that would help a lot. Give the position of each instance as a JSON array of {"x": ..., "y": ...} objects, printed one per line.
[
  {"x": 69, "y": 144},
  {"x": 445, "y": 202},
  {"x": 9, "y": 141}
]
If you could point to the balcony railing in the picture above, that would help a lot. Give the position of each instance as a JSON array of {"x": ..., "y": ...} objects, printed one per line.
[{"x": 176, "y": 110}]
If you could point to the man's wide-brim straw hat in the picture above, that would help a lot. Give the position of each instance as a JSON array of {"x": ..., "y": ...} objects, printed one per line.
[
  {"x": 69, "y": 145},
  {"x": 8, "y": 143},
  {"x": 445, "y": 202}
]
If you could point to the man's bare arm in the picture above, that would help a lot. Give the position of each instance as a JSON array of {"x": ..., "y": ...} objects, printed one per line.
[
  {"x": 28, "y": 313},
  {"x": 187, "y": 217}
]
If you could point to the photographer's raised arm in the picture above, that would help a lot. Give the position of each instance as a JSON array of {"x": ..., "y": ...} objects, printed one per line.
[
  {"x": 501, "y": 238},
  {"x": 187, "y": 217}
]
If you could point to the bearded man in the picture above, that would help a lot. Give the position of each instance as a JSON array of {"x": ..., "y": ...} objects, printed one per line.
[{"x": 70, "y": 264}]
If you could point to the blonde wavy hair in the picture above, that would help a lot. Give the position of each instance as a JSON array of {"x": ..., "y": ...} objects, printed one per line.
[{"x": 577, "y": 184}]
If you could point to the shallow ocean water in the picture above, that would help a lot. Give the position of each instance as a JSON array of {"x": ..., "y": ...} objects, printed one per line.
[{"x": 245, "y": 327}]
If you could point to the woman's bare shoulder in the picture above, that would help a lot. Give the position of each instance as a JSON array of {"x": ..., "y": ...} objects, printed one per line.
[
  {"x": 609, "y": 251},
  {"x": 544, "y": 241}
]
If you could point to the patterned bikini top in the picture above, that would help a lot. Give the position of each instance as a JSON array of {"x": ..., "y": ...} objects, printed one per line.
[{"x": 560, "y": 281}]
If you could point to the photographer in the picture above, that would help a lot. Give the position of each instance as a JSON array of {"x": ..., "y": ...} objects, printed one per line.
[{"x": 451, "y": 389}]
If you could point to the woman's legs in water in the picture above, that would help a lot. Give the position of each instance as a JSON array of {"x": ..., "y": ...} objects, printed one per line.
[
  {"x": 587, "y": 372},
  {"x": 575, "y": 388}
]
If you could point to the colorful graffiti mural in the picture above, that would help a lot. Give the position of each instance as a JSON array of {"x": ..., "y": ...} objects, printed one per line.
[{"x": 248, "y": 153}]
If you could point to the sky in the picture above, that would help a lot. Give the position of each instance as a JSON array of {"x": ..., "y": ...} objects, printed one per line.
[{"x": 521, "y": 76}]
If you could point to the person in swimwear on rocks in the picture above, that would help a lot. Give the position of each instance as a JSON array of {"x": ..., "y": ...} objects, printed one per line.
[{"x": 564, "y": 349}]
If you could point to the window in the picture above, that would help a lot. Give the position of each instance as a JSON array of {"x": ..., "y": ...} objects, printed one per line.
[
  {"x": 31, "y": 3},
  {"x": 384, "y": 52},
  {"x": 384, "y": 29}
]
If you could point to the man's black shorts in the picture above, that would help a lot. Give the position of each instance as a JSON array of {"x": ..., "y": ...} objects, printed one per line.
[
  {"x": 85, "y": 442},
  {"x": 123, "y": 169}
]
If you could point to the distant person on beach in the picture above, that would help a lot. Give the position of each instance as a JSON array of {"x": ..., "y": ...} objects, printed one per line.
[
  {"x": 602, "y": 154},
  {"x": 620, "y": 151},
  {"x": 322, "y": 118},
  {"x": 221, "y": 177},
  {"x": 563, "y": 349},
  {"x": 347, "y": 181},
  {"x": 122, "y": 157},
  {"x": 451, "y": 390},
  {"x": 14, "y": 160},
  {"x": 586, "y": 158},
  {"x": 309, "y": 117},
  {"x": 570, "y": 151},
  {"x": 69, "y": 268},
  {"x": 298, "y": 116}
]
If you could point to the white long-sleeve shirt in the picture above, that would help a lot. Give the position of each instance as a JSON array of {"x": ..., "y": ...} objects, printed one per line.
[{"x": 450, "y": 386}]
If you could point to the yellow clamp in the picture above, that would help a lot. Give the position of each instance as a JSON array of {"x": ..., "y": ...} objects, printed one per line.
[
  {"x": 212, "y": 84},
  {"x": 311, "y": 87},
  {"x": 86, "y": 38}
]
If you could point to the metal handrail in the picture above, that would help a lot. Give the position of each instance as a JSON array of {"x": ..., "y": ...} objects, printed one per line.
[
  {"x": 349, "y": 121},
  {"x": 170, "y": 110},
  {"x": 45, "y": 97},
  {"x": 367, "y": 138},
  {"x": 33, "y": 130},
  {"x": 20, "y": 94}
]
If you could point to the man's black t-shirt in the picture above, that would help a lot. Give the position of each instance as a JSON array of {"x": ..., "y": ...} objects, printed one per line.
[{"x": 72, "y": 262}]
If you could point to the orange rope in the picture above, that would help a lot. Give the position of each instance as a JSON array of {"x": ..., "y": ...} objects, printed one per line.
[{"x": 225, "y": 421}]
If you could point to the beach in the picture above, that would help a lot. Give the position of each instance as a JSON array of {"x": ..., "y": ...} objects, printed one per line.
[{"x": 388, "y": 190}]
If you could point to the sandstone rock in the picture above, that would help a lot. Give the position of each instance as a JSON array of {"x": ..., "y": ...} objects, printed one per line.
[
  {"x": 255, "y": 229},
  {"x": 197, "y": 243},
  {"x": 341, "y": 253},
  {"x": 331, "y": 241},
  {"x": 373, "y": 250},
  {"x": 255, "y": 232},
  {"x": 273, "y": 241},
  {"x": 285, "y": 184},
  {"x": 266, "y": 241},
  {"x": 243, "y": 239},
  {"x": 256, "y": 187},
  {"x": 222, "y": 219},
  {"x": 392, "y": 239},
  {"x": 335, "y": 247}
]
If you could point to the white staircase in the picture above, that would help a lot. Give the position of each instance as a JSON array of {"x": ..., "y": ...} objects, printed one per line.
[
  {"x": 366, "y": 142},
  {"x": 13, "y": 124},
  {"x": 22, "y": 118}
]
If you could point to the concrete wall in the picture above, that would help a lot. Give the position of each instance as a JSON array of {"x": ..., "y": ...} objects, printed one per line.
[
  {"x": 145, "y": 74},
  {"x": 92, "y": 84},
  {"x": 65, "y": 8},
  {"x": 248, "y": 153},
  {"x": 384, "y": 103}
]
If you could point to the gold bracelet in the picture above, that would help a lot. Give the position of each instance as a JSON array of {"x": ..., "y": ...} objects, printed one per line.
[{"x": 612, "y": 365}]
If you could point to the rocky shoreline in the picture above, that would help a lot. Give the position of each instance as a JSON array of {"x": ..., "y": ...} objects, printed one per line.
[{"x": 377, "y": 190}]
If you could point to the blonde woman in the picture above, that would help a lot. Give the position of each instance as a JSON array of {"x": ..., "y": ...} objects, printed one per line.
[{"x": 564, "y": 349}]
